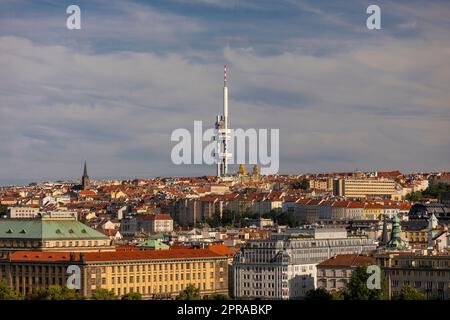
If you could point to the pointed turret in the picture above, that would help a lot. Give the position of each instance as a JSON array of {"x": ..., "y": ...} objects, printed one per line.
[
  {"x": 85, "y": 178},
  {"x": 396, "y": 242},
  {"x": 432, "y": 222},
  {"x": 242, "y": 171},
  {"x": 85, "y": 169},
  {"x": 384, "y": 233}
]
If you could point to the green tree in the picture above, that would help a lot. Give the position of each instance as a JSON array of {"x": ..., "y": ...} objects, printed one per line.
[
  {"x": 132, "y": 296},
  {"x": 302, "y": 184},
  {"x": 3, "y": 210},
  {"x": 54, "y": 293},
  {"x": 214, "y": 222},
  {"x": 7, "y": 293},
  {"x": 357, "y": 288},
  {"x": 435, "y": 190},
  {"x": 338, "y": 295},
  {"x": 414, "y": 196},
  {"x": 409, "y": 293},
  {"x": 190, "y": 293},
  {"x": 287, "y": 219},
  {"x": 317, "y": 294},
  {"x": 103, "y": 294}
]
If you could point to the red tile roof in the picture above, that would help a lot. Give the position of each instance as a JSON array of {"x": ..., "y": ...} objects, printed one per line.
[
  {"x": 347, "y": 260},
  {"x": 221, "y": 249},
  {"x": 121, "y": 255}
]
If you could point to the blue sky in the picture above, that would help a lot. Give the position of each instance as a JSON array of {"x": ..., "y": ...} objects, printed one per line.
[{"x": 343, "y": 96}]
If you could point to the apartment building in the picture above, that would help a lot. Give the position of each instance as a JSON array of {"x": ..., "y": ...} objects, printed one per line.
[
  {"x": 325, "y": 184},
  {"x": 334, "y": 274},
  {"x": 428, "y": 274},
  {"x": 284, "y": 266},
  {"x": 341, "y": 210},
  {"x": 155, "y": 223},
  {"x": 155, "y": 274},
  {"x": 308, "y": 210},
  {"x": 364, "y": 187},
  {"x": 22, "y": 212},
  {"x": 148, "y": 223}
]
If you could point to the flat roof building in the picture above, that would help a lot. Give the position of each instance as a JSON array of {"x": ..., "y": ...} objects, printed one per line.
[
  {"x": 284, "y": 266},
  {"x": 155, "y": 274}
]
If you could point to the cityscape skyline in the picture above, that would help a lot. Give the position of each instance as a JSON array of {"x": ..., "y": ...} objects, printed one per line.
[
  {"x": 345, "y": 97},
  {"x": 223, "y": 157}
]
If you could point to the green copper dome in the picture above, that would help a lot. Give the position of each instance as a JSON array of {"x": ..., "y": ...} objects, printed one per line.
[{"x": 396, "y": 242}]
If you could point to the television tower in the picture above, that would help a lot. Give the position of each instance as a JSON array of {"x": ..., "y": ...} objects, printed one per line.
[{"x": 223, "y": 134}]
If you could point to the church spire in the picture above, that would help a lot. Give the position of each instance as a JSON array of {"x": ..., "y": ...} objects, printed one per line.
[
  {"x": 85, "y": 170},
  {"x": 85, "y": 178},
  {"x": 384, "y": 234}
]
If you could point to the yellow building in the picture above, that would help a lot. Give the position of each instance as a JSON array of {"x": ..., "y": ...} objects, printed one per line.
[
  {"x": 321, "y": 184},
  {"x": 155, "y": 274},
  {"x": 361, "y": 188},
  {"x": 416, "y": 237},
  {"x": 373, "y": 211}
]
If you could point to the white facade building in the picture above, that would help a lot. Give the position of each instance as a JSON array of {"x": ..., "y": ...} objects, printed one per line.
[
  {"x": 22, "y": 212},
  {"x": 284, "y": 267}
]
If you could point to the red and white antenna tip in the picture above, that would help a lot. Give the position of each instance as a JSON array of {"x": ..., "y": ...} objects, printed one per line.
[{"x": 225, "y": 72}]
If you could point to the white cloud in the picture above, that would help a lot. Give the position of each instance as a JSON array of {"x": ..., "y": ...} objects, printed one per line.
[{"x": 379, "y": 103}]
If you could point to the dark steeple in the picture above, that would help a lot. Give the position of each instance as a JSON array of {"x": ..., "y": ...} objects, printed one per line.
[
  {"x": 384, "y": 234},
  {"x": 85, "y": 170},
  {"x": 85, "y": 178}
]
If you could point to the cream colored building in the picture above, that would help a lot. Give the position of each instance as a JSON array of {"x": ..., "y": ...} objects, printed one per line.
[
  {"x": 428, "y": 274},
  {"x": 362, "y": 188},
  {"x": 155, "y": 274}
]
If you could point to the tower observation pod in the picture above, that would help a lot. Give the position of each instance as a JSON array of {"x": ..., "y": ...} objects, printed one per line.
[{"x": 223, "y": 133}]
